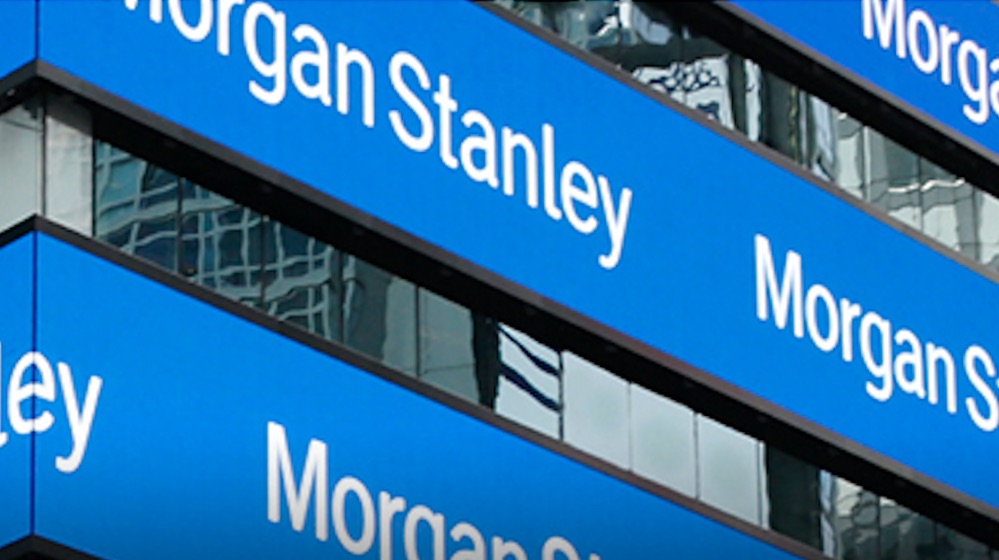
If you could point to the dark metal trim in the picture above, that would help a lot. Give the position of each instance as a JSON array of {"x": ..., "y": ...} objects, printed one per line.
[{"x": 34, "y": 547}]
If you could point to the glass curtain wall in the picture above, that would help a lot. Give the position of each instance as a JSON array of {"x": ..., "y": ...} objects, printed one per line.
[
  {"x": 102, "y": 191},
  {"x": 670, "y": 56}
]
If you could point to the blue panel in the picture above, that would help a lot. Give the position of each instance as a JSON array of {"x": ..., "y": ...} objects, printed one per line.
[
  {"x": 17, "y": 28},
  {"x": 16, "y": 265},
  {"x": 686, "y": 280},
  {"x": 927, "y": 77},
  {"x": 176, "y": 464}
]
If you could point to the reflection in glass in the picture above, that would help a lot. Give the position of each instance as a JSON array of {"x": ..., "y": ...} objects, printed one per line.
[
  {"x": 596, "y": 410},
  {"x": 588, "y": 25},
  {"x": 446, "y": 358},
  {"x": 69, "y": 165},
  {"x": 662, "y": 440},
  {"x": 529, "y": 376},
  {"x": 948, "y": 208},
  {"x": 379, "y": 314},
  {"x": 893, "y": 179},
  {"x": 905, "y": 535},
  {"x": 301, "y": 281},
  {"x": 651, "y": 49},
  {"x": 951, "y": 545},
  {"x": 21, "y": 161},
  {"x": 135, "y": 206},
  {"x": 856, "y": 521},
  {"x": 795, "y": 496},
  {"x": 221, "y": 244},
  {"x": 987, "y": 214},
  {"x": 850, "y": 149},
  {"x": 728, "y": 469}
]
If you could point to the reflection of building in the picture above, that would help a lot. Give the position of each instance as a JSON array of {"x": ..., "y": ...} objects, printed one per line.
[{"x": 111, "y": 179}]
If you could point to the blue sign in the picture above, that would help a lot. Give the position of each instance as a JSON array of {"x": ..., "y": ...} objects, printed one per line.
[
  {"x": 938, "y": 57},
  {"x": 18, "y": 30},
  {"x": 181, "y": 431},
  {"x": 477, "y": 136},
  {"x": 16, "y": 283}
]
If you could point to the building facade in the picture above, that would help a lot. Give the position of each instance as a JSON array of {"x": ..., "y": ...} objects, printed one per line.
[{"x": 505, "y": 280}]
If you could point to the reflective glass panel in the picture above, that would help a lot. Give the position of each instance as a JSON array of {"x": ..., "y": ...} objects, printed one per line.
[
  {"x": 69, "y": 165},
  {"x": 793, "y": 491},
  {"x": 596, "y": 410},
  {"x": 302, "y": 281},
  {"x": 662, "y": 440},
  {"x": 379, "y": 314},
  {"x": 856, "y": 521},
  {"x": 221, "y": 244},
  {"x": 850, "y": 155},
  {"x": 948, "y": 208},
  {"x": 528, "y": 376},
  {"x": 893, "y": 179},
  {"x": 136, "y": 206},
  {"x": 987, "y": 214},
  {"x": 21, "y": 161},
  {"x": 446, "y": 349},
  {"x": 905, "y": 534},
  {"x": 728, "y": 469}
]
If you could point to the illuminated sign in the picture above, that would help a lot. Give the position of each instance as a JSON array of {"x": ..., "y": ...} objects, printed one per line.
[
  {"x": 17, "y": 27},
  {"x": 215, "y": 437},
  {"x": 478, "y": 137},
  {"x": 15, "y": 449}
]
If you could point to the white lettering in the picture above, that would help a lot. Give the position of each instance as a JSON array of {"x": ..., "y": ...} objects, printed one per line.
[
  {"x": 350, "y": 485},
  {"x": 275, "y": 69},
  {"x": 345, "y": 58},
  {"x": 790, "y": 287},
  {"x": 318, "y": 59},
  {"x": 973, "y": 356},
  {"x": 315, "y": 476},
  {"x": 423, "y": 141},
  {"x": 18, "y": 393},
  {"x": 195, "y": 33},
  {"x": 80, "y": 422}
]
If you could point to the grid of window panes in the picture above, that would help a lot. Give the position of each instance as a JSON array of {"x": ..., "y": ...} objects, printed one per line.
[
  {"x": 249, "y": 257},
  {"x": 668, "y": 55}
]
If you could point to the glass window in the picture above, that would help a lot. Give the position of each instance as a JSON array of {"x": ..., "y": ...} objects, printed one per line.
[
  {"x": 893, "y": 179},
  {"x": 69, "y": 165},
  {"x": 905, "y": 534},
  {"x": 651, "y": 49},
  {"x": 21, "y": 161},
  {"x": 987, "y": 214},
  {"x": 780, "y": 114},
  {"x": 662, "y": 440},
  {"x": 379, "y": 314},
  {"x": 850, "y": 155},
  {"x": 728, "y": 469},
  {"x": 588, "y": 25},
  {"x": 446, "y": 357},
  {"x": 948, "y": 206},
  {"x": 302, "y": 281},
  {"x": 527, "y": 377},
  {"x": 951, "y": 545},
  {"x": 795, "y": 498},
  {"x": 856, "y": 521},
  {"x": 135, "y": 206},
  {"x": 221, "y": 244},
  {"x": 596, "y": 410}
]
